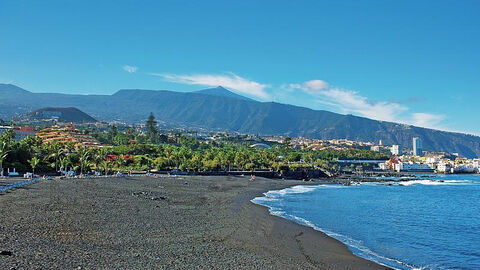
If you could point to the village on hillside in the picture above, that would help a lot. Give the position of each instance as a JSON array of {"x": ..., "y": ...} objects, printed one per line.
[{"x": 344, "y": 156}]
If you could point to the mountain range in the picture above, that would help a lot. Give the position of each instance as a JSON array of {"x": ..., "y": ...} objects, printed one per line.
[{"x": 220, "y": 109}]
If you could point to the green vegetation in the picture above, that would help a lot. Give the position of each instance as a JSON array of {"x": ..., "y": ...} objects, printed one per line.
[
  {"x": 34, "y": 163},
  {"x": 130, "y": 150},
  {"x": 3, "y": 156}
]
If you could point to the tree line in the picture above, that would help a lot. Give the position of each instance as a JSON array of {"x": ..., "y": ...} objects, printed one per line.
[{"x": 183, "y": 153}]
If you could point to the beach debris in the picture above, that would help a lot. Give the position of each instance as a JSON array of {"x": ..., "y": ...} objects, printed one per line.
[
  {"x": 136, "y": 194},
  {"x": 158, "y": 198},
  {"x": 6, "y": 253},
  {"x": 148, "y": 195}
]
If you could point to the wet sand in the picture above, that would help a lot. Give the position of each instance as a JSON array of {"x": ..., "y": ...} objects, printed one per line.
[{"x": 158, "y": 223}]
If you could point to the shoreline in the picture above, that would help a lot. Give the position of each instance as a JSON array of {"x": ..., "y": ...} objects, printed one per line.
[
  {"x": 178, "y": 222},
  {"x": 338, "y": 255},
  {"x": 309, "y": 225}
]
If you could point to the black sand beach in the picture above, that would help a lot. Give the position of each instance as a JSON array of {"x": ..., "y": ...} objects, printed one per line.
[{"x": 158, "y": 223}]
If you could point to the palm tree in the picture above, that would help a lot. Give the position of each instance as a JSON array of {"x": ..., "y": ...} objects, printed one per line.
[
  {"x": 56, "y": 150},
  {"x": 34, "y": 163},
  {"x": 65, "y": 161},
  {"x": 84, "y": 156},
  {"x": 3, "y": 156},
  {"x": 168, "y": 153},
  {"x": 101, "y": 157},
  {"x": 230, "y": 158},
  {"x": 96, "y": 158},
  {"x": 105, "y": 165},
  {"x": 175, "y": 156}
]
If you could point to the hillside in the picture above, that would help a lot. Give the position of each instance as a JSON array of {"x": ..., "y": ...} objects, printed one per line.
[
  {"x": 65, "y": 115},
  {"x": 235, "y": 114}
]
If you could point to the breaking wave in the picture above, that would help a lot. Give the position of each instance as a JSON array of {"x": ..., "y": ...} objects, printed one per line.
[{"x": 436, "y": 182}]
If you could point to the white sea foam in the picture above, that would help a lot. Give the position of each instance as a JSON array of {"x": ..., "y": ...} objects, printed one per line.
[
  {"x": 267, "y": 199},
  {"x": 277, "y": 213},
  {"x": 435, "y": 182},
  {"x": 290, "y": 190},
  {"x": 425, "y": 182},
  {"x": 356, "y": 245}
]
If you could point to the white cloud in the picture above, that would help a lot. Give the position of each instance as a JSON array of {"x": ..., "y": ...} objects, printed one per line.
[
  {"x": 352, "y": 102},
  {"x": 427, "y": 119},
  {"x": 130, "y": 69},
  {"x": 311, "y": 86},
  {"x": 230, "y": 80}
]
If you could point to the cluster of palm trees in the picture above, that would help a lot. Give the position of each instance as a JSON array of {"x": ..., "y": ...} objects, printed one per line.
[
  {"x": 32, "y": 153},
  {"x": 186, "y": 154},
  {"x": 61, "y": 157}
]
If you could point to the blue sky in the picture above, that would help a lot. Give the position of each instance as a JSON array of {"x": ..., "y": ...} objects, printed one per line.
[{"x": 413, "y": 62}]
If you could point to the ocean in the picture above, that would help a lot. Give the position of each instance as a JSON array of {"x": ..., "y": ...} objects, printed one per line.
[{"x": 431, "y": 223}]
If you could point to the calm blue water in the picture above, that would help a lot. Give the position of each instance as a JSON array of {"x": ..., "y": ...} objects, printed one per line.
[{"x": 433, "y": 223}]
